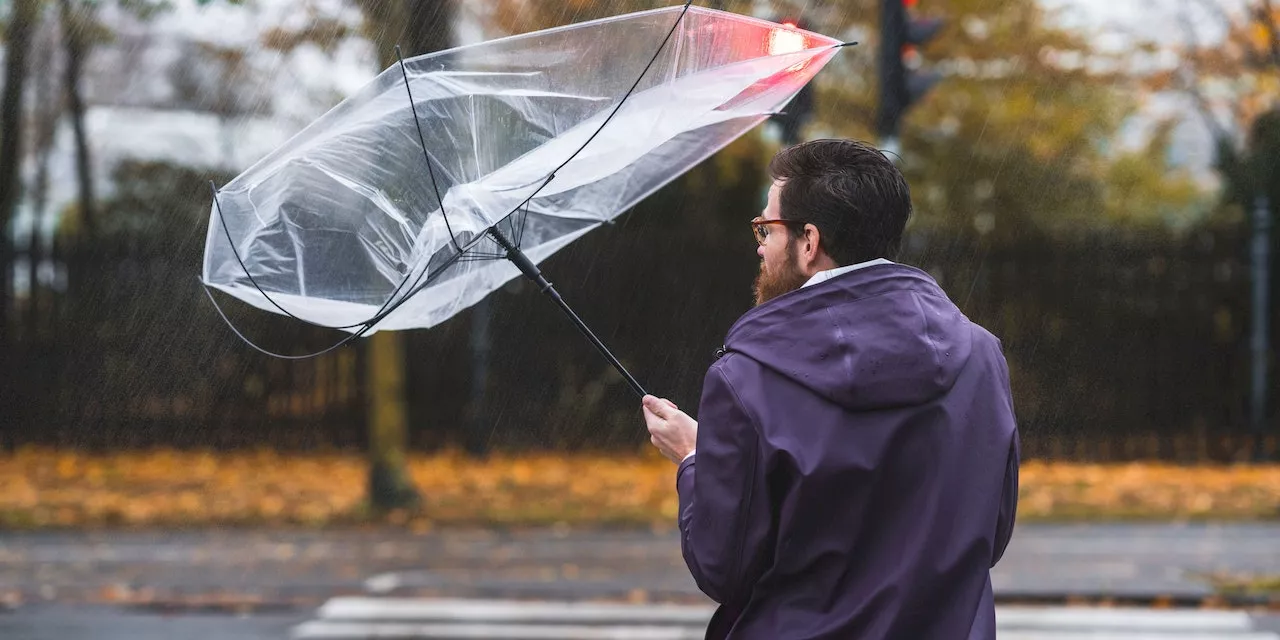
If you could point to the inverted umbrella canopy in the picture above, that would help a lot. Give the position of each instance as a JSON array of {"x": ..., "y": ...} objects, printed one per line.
[{"x": 391, "y": 210}]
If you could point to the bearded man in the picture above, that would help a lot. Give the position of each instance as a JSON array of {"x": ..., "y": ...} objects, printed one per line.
[{"x": 854, "y": 473}]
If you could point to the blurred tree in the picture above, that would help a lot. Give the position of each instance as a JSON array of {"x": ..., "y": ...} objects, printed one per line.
[
  {"x": 418, "y": 26},
  {"x": 45, "y": 120},
  {"x": 1019, "y": 135},
  {"x": 1231, "y": 72},
  {"x": 1140, "y": 189},
  {"x": 22, "y": 18},
  {"x": 81, "y": 32},
  {"x": 217, "y": 78},
  {"x": 77, "y": 32},
  {"x": 1233, "y": 80},
  {"x": 161, "y": 206},
  {"x": 1264, "y": 156}
]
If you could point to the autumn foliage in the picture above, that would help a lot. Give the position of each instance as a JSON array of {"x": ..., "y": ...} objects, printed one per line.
[{"x": 45, "y": 488}]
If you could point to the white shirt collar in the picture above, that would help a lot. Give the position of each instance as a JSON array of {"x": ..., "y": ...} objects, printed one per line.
[{"x": 823, "y": 276}]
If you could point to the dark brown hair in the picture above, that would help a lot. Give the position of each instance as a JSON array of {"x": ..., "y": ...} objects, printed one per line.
[{"x": 850, "y": 191}]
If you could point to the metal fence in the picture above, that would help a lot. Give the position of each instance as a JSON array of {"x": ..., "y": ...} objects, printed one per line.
[{"x": 1119, "y": 348}]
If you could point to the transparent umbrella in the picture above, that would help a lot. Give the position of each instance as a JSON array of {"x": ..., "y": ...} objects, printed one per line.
[{"x": 452, "y": 173}]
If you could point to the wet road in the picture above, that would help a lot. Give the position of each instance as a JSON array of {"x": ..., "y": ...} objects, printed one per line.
[
  {"x": 66, "y": 622},
  {"x": 249, "y": 585}
]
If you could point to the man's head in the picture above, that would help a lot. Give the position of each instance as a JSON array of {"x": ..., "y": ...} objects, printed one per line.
[{"x": 833, "y": 203}]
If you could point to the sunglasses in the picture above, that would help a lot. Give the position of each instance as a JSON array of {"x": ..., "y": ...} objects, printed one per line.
[{"x": 760, "y": 226}]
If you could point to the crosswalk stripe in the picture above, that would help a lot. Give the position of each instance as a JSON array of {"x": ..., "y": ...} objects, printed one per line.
[
  {"x": 461, "y": 619},
  {"x": 326, "y": 630},
  {"x": 1135, "y": 635},
  {"x": 1118, "y": 619},
  {"x": 461, "y": 610}
]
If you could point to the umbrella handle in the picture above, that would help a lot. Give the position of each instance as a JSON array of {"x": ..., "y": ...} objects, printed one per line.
[{"x": 531, "y": 271}]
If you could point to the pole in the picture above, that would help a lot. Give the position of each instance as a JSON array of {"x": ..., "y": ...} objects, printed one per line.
[
  {"x": 892, "y": 72},
  {"x": 530, "y": 270},
  {"x": 476, "y": 439},
  {"x": 1261, "y": 316}
]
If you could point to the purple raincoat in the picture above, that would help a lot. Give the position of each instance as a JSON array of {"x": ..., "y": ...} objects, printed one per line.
[{"x": 856, "y": 473}]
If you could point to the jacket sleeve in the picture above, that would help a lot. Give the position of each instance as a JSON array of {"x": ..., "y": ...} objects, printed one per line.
[
  {"x": 724, "y": 513},
  {"x": 1009, "y": 493},
  {"x": 1008, "y": 501}
]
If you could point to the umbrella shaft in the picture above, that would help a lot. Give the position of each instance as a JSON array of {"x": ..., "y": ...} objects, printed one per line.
[{"x": 531, "y": 271}]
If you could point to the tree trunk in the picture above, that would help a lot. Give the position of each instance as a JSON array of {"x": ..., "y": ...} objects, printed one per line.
[
  {"x": 418, "y": 26},
  {"x": 74, "y": 36},
  {"x": 46, "y": 126},
  {"x": 389, "y": 484},
  {"x": 22, "y": 19}
]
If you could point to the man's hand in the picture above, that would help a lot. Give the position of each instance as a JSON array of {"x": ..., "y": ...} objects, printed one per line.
[{"x": 671, "y": 430}]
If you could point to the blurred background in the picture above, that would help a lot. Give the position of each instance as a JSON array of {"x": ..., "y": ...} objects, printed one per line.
[{"x": 1095, "y": 182}]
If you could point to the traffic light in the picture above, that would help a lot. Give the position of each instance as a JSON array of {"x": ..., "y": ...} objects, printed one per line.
[{"x": 901, "y": 84}]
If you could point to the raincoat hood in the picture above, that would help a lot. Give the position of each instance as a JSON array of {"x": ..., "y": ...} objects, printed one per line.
[{"x": 879, "y": 337}]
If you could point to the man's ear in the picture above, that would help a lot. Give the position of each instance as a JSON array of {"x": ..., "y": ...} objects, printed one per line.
[{"x": 811, "y": 244}]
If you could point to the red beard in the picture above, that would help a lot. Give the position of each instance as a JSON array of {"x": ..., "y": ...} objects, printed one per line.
[{"x": 787, "y": 278}]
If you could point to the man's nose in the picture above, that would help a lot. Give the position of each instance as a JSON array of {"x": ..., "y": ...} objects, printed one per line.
[{"x": 760, "y": 251}]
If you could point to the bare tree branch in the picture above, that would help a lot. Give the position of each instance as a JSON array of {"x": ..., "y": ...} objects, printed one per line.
[
  {"x": 1191, "y": 79},
  {"x": 75, "y": 24}
]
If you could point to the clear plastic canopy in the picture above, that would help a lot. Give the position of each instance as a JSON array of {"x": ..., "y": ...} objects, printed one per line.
[{"x": 345, "y": 220}]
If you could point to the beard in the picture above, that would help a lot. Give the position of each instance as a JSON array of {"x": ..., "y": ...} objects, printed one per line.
[{"x": 787, "y": 278}]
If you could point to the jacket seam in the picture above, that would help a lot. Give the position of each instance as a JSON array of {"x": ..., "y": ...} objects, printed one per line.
[
  {"x": 735, "y": 574},
  {"x": 1003, "y": 541},
  {"x": 928, "y": 336}
]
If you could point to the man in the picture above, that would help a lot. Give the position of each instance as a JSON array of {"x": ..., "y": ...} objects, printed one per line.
[{"x": 855, "y": 473}]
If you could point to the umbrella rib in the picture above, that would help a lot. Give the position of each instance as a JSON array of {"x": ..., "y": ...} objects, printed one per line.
[
  {"x": 530, "y": 270},
  {"x": 513, "y": 252},
  {"x": 524, "y": 218},
  {"x": 386, "y": 309},
  {"x": 477, "y": 255},
  {"x": 364, "y": 328},
  {"x": 231, "y": 243},
  {"x": 376, "y": 318},
  {"x": 418, "y": 287},
  {"x": 413, "y": 107},
  {"x": 643, "y": 73}
]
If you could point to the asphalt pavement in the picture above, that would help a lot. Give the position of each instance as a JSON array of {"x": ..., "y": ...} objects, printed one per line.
[{"x": 255, "y": 584}]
